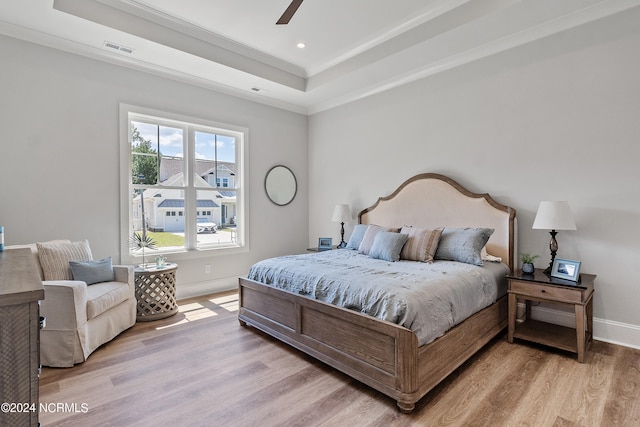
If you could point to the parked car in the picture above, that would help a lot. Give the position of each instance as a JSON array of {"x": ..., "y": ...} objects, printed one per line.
[{"x": 206, "y": 226}]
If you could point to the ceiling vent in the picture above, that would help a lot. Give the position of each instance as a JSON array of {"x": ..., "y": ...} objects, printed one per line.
[{"x": 118, "y": 47}]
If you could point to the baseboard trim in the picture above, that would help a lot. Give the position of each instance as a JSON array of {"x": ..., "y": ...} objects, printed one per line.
[
  {"x": 617, "y": 333},
  {"x": 603, "y": 330},
  {"x": 197, "y": 289}
]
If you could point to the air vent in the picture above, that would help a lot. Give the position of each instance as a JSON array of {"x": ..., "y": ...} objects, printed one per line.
[{"x": 118, "y": 47}]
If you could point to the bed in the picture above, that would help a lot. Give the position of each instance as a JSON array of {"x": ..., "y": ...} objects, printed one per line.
[{"x": 385, "y": 355}]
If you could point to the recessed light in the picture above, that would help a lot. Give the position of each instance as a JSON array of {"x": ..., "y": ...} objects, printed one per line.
[{"x": 301, "y": 45}]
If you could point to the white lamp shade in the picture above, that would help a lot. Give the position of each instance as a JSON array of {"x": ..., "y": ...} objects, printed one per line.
[
  {"x": 554, "y": 216},
  {"x": 341, "y": 213}
]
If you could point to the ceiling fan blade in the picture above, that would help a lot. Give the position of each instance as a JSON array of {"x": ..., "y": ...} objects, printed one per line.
[{"x": 288, "y": 14}]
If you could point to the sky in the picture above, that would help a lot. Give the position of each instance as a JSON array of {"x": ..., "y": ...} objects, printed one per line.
[{"x": 171, "y": 142}]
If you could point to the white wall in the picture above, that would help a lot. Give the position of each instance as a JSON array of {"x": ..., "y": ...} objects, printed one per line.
[
  {"x": 555, "y": 119},
  {"x": 558, "y": 119},
  {"x": 59, "y": 156}
]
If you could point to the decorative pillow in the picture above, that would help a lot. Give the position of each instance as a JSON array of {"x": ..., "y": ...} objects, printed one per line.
[
  {"x": 387, "y": 245},
  {"x": 55, "y": 256},
  {"x": 463, "y": 244},
  {"x": 421, "y": 243},
  {"x": 92, "y": 272},
  {"x": 369, "y": 236},
  {"x": 356, "y": 236},
  {"x": 486, "y": 256}
]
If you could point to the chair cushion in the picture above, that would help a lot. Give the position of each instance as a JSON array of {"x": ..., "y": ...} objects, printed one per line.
[
  {"x": 55, "y": 256},
  {"x": 104, "y": 296}
]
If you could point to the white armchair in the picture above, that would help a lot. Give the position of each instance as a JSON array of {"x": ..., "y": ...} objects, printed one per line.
[{"x": 80, "y": 317}]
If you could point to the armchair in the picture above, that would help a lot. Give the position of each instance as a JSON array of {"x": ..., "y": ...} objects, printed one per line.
[{"x": 79, "y": 317}]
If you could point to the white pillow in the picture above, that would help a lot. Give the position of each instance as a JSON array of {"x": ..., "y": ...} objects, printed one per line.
[
  {"x": 488, "y": 257},
  {"x": 54, "y": 258}
]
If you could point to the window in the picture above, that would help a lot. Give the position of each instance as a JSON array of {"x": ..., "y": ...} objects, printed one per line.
[{"x": 183, "y": 182}]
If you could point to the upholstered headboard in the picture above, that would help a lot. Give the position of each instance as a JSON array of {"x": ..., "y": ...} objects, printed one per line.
[{"x": 431, "y": 200}]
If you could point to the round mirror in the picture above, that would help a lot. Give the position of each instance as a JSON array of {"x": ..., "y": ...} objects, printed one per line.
[{"x": 280, "y": 185}]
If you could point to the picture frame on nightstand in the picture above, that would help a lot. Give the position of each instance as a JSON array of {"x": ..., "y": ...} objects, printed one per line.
[
  {"x": 325, "y": 243},
  {"x": 566, "y": 269}
]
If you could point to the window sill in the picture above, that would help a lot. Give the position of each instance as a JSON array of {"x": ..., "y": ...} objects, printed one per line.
[{"x": 184, "y": 254}]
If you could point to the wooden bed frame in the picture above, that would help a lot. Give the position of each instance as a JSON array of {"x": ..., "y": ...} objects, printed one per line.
[{"x": 381, "y": 354}]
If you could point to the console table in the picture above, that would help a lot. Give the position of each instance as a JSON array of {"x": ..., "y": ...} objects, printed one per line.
[
  {"x": 20, "y": 291},
  {"x": 156, "y": 292}
]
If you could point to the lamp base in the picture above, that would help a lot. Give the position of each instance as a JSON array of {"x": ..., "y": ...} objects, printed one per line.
[
  {"x": 553, "y": 247},
  {"x": 342, "y": 244}
]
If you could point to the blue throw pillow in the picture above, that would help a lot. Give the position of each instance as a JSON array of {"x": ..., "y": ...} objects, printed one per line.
[
  {"x": 387, "y": 246},
  {"x": 356, "y": 236},
  {"x": 463, "y": 244},
  {"x": 92, "y": 272}
]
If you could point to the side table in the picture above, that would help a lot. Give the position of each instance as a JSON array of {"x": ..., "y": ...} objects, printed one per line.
[
  {"x": 542, "y": 288},
  {"x": 156, "y": 292}
]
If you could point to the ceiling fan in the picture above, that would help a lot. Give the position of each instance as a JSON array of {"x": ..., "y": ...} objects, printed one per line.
[{"x": 288, "y": 14}]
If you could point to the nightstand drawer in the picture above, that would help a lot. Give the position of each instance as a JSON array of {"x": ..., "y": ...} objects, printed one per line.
[{"x": 546, "y": 292}]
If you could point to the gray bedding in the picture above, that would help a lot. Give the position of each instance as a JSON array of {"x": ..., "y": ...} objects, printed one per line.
[{"x": 429, "y": 299}]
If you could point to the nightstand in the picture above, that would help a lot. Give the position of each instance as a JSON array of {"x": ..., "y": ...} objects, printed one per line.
[{"x": 543, "y": 288}]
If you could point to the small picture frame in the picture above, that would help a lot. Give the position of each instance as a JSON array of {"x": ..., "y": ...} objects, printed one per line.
[
  {"x": 566, "y": 269},
  {"x": 325, "y": 243}
]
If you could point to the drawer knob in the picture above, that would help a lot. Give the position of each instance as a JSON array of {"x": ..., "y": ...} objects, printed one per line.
[{"x": 543, "y": 291}]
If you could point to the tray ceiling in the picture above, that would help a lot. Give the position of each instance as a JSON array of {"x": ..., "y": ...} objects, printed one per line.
[{"x": 353, "y": 48}]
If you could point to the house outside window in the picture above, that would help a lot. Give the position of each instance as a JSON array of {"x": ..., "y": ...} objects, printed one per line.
[{"x": 173, "y": 167}]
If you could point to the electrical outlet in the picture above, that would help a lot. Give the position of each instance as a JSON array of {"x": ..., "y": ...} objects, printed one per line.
[{"x": 207, "y": 268}]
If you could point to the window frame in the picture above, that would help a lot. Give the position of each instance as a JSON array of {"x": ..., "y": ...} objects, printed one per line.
[{"x": 130, "y": 113}]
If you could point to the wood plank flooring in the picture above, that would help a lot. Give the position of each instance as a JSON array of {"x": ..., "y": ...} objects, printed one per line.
[{"x": 201, "y": 368}]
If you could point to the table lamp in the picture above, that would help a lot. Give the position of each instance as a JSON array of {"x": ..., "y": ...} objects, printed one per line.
[
  {"x": 553, "y": 216},
  {"x": 341, "y": 214}
]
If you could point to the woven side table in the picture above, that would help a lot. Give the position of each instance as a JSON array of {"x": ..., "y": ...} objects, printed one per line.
[{"x": 156, "y": 292}]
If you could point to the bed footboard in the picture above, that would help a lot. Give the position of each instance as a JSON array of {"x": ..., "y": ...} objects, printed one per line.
[
  {"x": 381, "y": 354},
  {"x": 378, "y": 353}
]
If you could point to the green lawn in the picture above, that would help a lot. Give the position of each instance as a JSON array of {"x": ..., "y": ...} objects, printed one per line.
[{"x": 164, "y": 239}]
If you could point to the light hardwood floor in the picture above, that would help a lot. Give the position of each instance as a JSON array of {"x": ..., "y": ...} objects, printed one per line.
[{"x": 201, "y": 368}]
